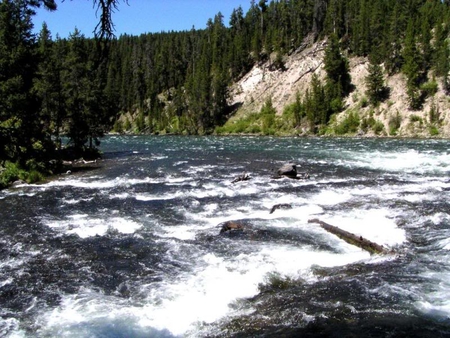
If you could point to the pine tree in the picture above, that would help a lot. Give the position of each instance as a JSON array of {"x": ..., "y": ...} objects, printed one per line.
[
  {"x": 337, "y": 69},
  {"x": 316, "y": 105},
  {"x": 412, "y": 67},
  {"x": 19, "y": 119},
  {"x": 375, "y": 87},
  {"x": 75, "y": 82},
  {"x": 268, "y": 113},
  {"x": 47, "y": 84},
  {"x": 394, "y": 58}
]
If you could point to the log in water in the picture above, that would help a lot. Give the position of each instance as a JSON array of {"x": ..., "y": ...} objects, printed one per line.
[{"x": 350, "y": 238}]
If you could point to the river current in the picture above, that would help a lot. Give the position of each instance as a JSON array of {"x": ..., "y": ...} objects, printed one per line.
[{"x": 132, "y": 248}]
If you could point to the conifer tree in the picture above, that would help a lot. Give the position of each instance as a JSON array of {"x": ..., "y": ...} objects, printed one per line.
[
  {"x": 337, "y": 69},
  {"x": 316, "y": 106},
  {"x": 375, "y": 87},
  {"x": 394, "y": 59},
  {"x": 19, "y": 119},
  {"x": 48, "y": 85},
  {"x": 268, "y": 113},
  {"x": 412, "y": 67}
]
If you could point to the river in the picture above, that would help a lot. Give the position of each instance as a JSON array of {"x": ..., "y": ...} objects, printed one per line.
[{"x": 133, "y": 247}]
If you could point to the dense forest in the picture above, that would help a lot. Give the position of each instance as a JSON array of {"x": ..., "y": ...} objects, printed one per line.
[{"x": 178, "y": 82}]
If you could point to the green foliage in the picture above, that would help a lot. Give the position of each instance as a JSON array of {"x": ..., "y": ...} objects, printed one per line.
[
  {"x": 337, "y": 69},
  {"x": 12, "y": 172},
  {"x": 375, "y": 87},
  {"x": 316, "y": 104},
  {"x": 127, "y": 124},
  {"x": 433, "y": 130},
  {"x": 378, "y": 127},
  {"x": 140, "y": 122},
  {"x": 118, "y": 127},
  {"x": 364, "y": 102},
  {"x": 434, "y": 114},
  {"x": 349, "y": 125},
  {"x": 415, "y": 118},
  {"x": 9, "y": 174},
  {"x": 429, "y": 88},
  {"x": 248, "y": 125},
  {"x": 368, "y": 123},
  {"x": 294, "y": 113},
  {"x": 268, "y": 117},
  {"x": 394, "y": 123},
  {"x": 412, "y": 68}
]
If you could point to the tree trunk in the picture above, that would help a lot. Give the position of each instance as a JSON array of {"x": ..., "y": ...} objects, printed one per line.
[{"x": 350, "y": 238}]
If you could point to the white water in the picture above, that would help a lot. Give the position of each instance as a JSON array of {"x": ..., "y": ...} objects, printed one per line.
[
  {"x": 209, "y": 289},
  {"x": 204, "y": 295}
]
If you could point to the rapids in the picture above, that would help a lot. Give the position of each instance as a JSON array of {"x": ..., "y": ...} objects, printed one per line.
[{"x": 132, "y": 247}]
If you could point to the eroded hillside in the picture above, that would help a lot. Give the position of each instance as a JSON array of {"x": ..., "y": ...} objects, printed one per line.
[{"x": 282, "y": 86}]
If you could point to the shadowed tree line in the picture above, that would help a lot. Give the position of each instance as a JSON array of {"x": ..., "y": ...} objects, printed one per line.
[{"x": 178, "y": 82}]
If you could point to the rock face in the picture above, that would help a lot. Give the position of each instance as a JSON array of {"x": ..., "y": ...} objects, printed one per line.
[
  {"x": 288, "y": 170},
  {"x": 282, "y": 85}
]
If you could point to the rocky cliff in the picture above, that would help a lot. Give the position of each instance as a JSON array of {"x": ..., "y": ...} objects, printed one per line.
[{"x": 281, "y": 85}]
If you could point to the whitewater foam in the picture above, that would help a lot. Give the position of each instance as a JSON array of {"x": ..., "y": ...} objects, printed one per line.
[{"x": 85, "y": 225}]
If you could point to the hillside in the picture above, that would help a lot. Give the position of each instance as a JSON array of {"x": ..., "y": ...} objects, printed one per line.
[{"x": 261, "y": 83}]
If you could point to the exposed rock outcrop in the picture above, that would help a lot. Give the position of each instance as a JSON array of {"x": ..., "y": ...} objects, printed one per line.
[{"x": 282, "y": 85}]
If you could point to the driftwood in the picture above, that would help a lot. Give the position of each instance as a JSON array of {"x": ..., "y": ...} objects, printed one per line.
[{"x": 350, "y": 238}]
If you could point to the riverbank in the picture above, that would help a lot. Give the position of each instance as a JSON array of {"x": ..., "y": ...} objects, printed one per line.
[{"x": 34, "y": 172}]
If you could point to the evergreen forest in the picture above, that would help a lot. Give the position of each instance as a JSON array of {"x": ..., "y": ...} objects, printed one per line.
[{"x": 58, "y": 97}]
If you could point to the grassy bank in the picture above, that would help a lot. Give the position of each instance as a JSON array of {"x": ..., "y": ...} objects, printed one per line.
[{"x": 12, "y": 172}]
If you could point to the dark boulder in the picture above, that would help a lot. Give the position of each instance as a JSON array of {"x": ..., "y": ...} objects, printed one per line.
[
  {"x": 231, "y": 226},
  {"x": 288, "y": 170}
]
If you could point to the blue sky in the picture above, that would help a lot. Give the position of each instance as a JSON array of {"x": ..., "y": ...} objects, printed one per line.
[{"x": 139, "y": 16}]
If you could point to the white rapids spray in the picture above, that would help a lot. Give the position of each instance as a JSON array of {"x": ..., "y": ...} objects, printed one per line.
[{"x": 182, "y": 211}]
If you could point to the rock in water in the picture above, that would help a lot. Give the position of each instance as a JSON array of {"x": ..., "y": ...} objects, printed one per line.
[
  {"x": 280, "y": 206},
  {"x": 243, "y": 177},
  {"x": 288, "y": 170},
  {"x": 231, "y": 225}
]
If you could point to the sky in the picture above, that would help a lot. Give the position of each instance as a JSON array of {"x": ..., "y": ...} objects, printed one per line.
[{"x": 139, "y": 16}]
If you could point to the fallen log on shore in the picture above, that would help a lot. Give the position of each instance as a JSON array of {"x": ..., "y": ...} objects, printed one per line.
[{"x": 350, "y": 238}]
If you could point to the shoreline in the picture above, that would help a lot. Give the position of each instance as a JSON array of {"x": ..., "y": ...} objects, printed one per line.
[{"x": 387, "y": 137}]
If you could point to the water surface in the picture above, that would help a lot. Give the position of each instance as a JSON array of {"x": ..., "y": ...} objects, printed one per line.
[{"x": 132, "y": 248}]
